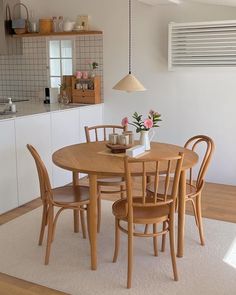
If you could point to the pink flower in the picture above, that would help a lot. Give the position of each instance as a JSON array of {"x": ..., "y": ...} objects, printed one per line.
[
  {"x": 148, "y": 123},
  {"x": 125, "y": 121}
]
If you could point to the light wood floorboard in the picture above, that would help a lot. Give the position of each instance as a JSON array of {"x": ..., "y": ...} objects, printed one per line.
[{"x": 218, "y": 202}]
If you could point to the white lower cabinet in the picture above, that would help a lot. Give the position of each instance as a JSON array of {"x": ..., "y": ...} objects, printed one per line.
[
  {"x": 35, "y": 130},
  {"x": 90, "y": 116},
  {"x": 64, "y": 131},
  {"x": 47, "y": 132},
  {"x": 8, "y": 178}
]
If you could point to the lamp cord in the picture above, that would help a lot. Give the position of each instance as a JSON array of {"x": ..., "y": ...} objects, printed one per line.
[{"x": 130, "y": 35}]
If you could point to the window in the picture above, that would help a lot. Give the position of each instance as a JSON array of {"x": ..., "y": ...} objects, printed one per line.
[{"x": 60, "y": 60}]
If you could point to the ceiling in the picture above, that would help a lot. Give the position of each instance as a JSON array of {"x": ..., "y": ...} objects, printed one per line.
[{"x": 214, "y": 2}]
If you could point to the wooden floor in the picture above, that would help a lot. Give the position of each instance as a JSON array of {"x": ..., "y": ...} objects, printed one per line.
[{"x": 219, "y": 202}]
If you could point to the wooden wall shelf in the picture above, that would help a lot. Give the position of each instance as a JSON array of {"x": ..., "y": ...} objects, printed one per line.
[{"x": 59, "y": 34}]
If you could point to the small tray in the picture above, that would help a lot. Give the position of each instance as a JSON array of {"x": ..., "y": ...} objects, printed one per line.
[{"x": 117, "y": 148}]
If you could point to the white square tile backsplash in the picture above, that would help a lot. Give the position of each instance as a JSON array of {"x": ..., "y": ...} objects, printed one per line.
[{"x": 25, "y": 76}]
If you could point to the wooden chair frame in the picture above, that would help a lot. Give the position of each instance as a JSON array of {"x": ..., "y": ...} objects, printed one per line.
[
  {"x": 151, "y": 210},
  {"x": 195, "y": 197},
  {"x": 107, "y": 182},
  {"x": 46, "y": 192},
  {"x": 194, "y": 188}
]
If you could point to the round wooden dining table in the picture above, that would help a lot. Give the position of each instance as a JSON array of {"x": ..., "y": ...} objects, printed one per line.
[{"x": 96, "y": 160}]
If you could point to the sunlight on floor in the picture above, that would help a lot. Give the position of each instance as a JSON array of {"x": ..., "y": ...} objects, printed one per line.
[{"x": 230, "y": 257}]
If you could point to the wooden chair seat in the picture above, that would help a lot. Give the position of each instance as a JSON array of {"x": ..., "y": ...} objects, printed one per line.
[
  {"x": 111, "y": 181},
  {"x": 141, "y": 215},
  {"x": 70, "y": 195},
  {"x": 190, "y": 189}
]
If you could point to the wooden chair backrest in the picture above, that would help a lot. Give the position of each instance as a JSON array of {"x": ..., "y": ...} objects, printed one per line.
[
  {"x": 173, "y": 166},
  {"x": 44, "y": 181},
  {"x": 101, "y": 132},
  {"x": 193, "y": 143}
]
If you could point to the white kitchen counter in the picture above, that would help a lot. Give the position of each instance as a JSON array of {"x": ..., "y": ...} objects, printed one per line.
[
  {"x": 27, "y": 108},
  {"x": 48, "y": 128}
]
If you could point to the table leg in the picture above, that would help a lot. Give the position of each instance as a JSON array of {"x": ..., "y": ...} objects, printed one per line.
[
  {"x": 93, "y": 219},
  {"x": 76, "y": 212},
  {"x": 181, "y": 214}
]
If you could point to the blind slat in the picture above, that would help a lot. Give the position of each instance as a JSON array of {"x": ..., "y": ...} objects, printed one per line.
[{"x": 199, "y": 45}]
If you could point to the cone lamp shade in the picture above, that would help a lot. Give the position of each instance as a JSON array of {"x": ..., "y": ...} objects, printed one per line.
[{"x": 129, "y": 83}]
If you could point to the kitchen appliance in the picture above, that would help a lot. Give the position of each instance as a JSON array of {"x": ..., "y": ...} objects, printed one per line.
[{"x": 47, "y": 96}]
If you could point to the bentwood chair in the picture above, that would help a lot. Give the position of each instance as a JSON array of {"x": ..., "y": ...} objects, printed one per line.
[
  {"x": 108, "y": 185},
  {"x": 134, "y": 211},
  {"x": 204, "y": 145},
  {"x": 66, "y": 197}
]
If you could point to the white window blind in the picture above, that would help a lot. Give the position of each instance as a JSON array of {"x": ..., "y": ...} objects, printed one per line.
[{"x": 203, "y": 44}]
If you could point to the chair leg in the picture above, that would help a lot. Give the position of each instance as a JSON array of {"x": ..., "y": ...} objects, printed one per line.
[
  {"x": 194, "y": 211},
  {"x": 172, "y": 246},
  {"x": 99, "y": 206},
  {"x": 199, "y": 217},
  {"x": 88, "y": 223},
  {"x": 146, "y": 228},
  {"x": 163, "y": 242},
  {"x": 43, "y": 224},
  {"x": 122, "y": 194},
  {"x": 50, "y": 233},
  {"x": 155, "y": 240},
  {"x": 117, "y": 240},
  {"x": 130, "y": 254},
  {"x": 76, "y": 221},
  {"x": 83, "y": 226}
]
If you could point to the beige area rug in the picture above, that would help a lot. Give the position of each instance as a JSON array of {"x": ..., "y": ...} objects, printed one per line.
[{"x": 201, "y": 271}]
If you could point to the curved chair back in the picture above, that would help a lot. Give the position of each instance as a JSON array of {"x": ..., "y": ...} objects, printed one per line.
[
  {"x": 209, "y": 146},
  {"x": 172, "y": 167},
  {"x": 44, "y": 181},
  {"x": 101, "y": 132}
]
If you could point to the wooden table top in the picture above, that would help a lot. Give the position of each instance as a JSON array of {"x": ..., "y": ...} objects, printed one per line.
[{"x": 92, "y": 158}]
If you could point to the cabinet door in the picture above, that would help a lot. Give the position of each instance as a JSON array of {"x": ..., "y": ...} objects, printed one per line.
[
  {"x": 90, "y": 116},
  {"x": 34, "y": 130},
  {"x": 65, "y": 131},
  {"x": 8, "y": 179}
]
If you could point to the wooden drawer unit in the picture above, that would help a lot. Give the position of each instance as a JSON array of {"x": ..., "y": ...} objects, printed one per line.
[{"x": 91, "y": 95}]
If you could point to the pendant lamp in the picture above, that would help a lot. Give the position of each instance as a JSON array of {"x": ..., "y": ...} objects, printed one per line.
[{"x": 129, "y": 83}]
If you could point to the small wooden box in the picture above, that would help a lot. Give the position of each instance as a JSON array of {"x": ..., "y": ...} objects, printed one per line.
[{"x": 90, "y": 96}]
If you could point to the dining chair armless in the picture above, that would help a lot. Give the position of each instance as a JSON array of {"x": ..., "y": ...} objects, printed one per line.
[
  {"x": 108, "y": 185},
  {"x": 135, "y": 211},
  {"x": 204, "y": 146},
  {"x": 66, "y": 197}
]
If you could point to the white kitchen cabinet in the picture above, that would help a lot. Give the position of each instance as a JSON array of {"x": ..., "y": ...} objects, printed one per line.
[
  {"x": 8, "y": 178},
  {"x": 35, "y": 130},
  {"x": 47, "y": 132},
  {"x": 90, "y": 116},
  {"x": 64, "y": 131}
]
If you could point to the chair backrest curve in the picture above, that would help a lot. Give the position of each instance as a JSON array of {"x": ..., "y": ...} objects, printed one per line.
[
  {"x": 101, "y": 132},
  {"x": 44, "y": 181},
  {"x": 192, "y": 144},
  {"x": 152, "y": 167}
]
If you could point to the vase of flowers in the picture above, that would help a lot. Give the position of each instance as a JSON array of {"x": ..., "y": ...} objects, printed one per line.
[
  {"x": 144, "y": 127},
  {"x": 93, "y": 66}
]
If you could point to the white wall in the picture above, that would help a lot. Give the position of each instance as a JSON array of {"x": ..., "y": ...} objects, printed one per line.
[{"x": 191, "y": 102}]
